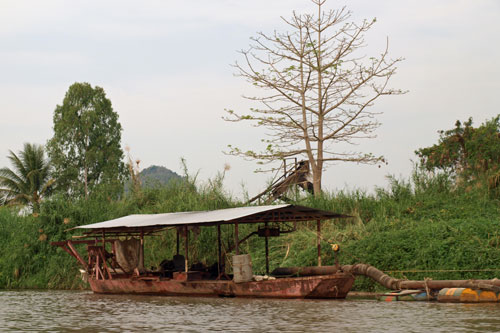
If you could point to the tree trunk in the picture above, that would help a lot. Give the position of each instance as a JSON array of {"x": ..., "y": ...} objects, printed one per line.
[
  {"x": 36, "y": 202},
  {"x": 317, "y": 173},
  {"x": 319, "y": 158}
]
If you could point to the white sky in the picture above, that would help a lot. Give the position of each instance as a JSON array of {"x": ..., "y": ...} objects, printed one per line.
[{"x": 165, "y": 65}]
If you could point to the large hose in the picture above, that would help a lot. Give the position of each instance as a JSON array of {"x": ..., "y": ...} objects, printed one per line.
[
  {"x": 374, "y": 274},
  {"x": 398, "y": 284}
]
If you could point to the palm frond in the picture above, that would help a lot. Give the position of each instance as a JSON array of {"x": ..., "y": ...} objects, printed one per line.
[
  {"x": 29, "y": 178},
  {"x": 17, "y": 163}
]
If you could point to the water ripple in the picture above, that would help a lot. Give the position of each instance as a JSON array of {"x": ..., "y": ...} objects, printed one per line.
[{"x": 69, "y": 311}]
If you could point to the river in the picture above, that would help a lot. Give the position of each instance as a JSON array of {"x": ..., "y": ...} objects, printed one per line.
[{"x": 71, "y": 311}]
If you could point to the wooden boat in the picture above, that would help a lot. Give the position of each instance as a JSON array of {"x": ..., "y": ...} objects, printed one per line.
[{"x": 107, "y": 275}]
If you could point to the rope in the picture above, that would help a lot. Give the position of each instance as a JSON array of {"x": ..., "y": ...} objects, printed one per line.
[
  {"x": 427, "y": 290},
  {"x": 444, "y": 270}
]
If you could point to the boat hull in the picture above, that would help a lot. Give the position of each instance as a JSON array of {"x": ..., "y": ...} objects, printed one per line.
[{"x": 333, "y": 286}]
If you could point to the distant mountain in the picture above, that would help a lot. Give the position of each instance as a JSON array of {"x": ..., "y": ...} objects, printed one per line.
[{"x": 156, "y": 176}]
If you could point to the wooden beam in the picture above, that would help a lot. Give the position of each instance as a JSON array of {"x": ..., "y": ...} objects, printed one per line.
[
  {"x": 103, "y": 240},
  {"x": 267, "y": 250},
  {"x": 86, "y": 241},
  {"x": 236, "y": 240},
  {"x": 102, "y": 253},
  {"x": 177, "y": 233},
  {"x": 77, "y": 255},
  {"x": 141, "y": 254},
  {"x": 64, "y": 247},
  {"x": 219, "y": 251},
  {"x": 318, "y": 240},
  {"x": 243, "y": 240},
  {"x": 186, "y": 246}
]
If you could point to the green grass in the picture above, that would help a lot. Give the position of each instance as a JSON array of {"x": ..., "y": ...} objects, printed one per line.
[{"x": 423, "y": 223}]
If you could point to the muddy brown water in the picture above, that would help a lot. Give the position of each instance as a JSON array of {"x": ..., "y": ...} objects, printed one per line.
[{"x": 70, "y": 311}]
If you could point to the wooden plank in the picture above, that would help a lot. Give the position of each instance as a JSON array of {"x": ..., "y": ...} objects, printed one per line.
[
  {"x": 98, "y": 270},
  {"x": 104, "y": 264},
  {"x": 65, "y": 248},
  {"x": 77, "y": 255}
]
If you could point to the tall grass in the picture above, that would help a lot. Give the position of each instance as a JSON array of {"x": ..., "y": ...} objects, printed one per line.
[{"x": 421, "y": 223}]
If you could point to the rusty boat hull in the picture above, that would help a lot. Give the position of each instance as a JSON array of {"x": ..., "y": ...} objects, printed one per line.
[{"x": 332, "y": 286}]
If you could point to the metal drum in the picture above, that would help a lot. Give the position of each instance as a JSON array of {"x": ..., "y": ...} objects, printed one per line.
[
  {"x": 242, "y": 268},
  {"x": 458, "y": 295}
]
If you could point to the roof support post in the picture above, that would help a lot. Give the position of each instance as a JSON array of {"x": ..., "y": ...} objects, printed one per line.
[
  {"x": 141, "y": 253},
  {"x": 186, "y": 246},
  {"x": 267, "y": 249},
  {"x": 103, "y": 241},
  {"x": 318, "y": 240},
  {"x": 236, "y": 239},
  {"x": 177, "y": 231},
  {"x": 219, "y": 251}
]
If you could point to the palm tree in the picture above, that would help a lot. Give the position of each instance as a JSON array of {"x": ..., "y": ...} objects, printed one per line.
[{"x": 29, "y": 181}]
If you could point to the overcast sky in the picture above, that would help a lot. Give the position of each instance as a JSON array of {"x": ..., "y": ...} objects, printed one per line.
[{"x": 165, "y": 66}]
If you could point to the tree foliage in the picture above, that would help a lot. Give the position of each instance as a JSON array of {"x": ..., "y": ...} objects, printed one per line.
[
  {"x": 86, "y": 147},
  {"x": 467, "y": 152},
  {"x": 318, "y": 89},
  {"x": 29, "y": 180}
]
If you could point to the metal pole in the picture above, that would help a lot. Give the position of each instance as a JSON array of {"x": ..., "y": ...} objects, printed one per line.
[
  {"x": 318, "y": 240},
  {"x": 177, "y": 230},
  {"x": 236, "y": 239},
  {"x": 186, "y": 245},
  {"x": 267, "y": 249},
  {"x": 141, "y": 256},
  {"x": 219, "y": 251},
  {"x": 103, "y": 241}
]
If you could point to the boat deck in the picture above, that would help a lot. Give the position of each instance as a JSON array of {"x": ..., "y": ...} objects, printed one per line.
[{"x": 322, "y": 286}]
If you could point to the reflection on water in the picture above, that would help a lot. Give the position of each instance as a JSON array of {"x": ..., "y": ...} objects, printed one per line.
[{"x": 66, "y": 311}]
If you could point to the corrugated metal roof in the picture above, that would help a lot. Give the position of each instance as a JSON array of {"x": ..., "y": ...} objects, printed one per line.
[
  {"x": 205, "y": 217},
  {"x": 182, "y": 218}
]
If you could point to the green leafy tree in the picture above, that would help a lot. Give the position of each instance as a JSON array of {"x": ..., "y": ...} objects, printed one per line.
[
  {"x": 86, "y": 147},
  {"x": 317, "y": 90},
  {"x": 467, "y": 152},
  {"x": 29, "y": 181}
]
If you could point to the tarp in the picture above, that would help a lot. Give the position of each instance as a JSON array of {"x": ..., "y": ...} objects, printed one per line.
[{"x": 128, "y": 254}]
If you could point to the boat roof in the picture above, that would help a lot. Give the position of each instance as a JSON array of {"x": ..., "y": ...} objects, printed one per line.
[{"x": 251, "y": 214}]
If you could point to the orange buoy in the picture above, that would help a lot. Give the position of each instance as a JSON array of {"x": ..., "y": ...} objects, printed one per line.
[{"x": 487, "y": 296}]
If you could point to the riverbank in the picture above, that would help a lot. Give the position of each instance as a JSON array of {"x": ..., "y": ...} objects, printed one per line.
[{"x": 423, "y": 228}]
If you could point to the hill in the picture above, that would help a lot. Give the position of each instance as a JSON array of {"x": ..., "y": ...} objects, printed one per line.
[{"x": 157, "y": 176}]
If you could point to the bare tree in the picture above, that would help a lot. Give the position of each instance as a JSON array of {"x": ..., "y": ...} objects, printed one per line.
[{"x": 318, "y": 89}]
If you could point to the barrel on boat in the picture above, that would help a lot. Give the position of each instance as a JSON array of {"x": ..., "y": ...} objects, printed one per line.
[
  {"x": 242, "y": 268},
  {"x": 458, "y": 295},
  {"x": 487, "y": 296}
]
